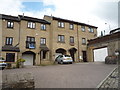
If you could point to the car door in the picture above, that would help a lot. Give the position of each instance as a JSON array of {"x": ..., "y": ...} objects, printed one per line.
[{"x": 61, "y": 58}]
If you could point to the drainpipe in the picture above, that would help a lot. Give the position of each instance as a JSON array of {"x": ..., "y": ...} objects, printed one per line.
[
  {"x": 18, "y": 35},
  {"x": 18, "y": 32},
  {"x": 78, "y": 41}
]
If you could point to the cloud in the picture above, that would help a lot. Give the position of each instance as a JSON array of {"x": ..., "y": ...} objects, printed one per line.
[{"x": 95, "y": 12}]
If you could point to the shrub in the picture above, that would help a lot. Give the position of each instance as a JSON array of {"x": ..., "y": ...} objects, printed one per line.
[{"x": 18, "y": 63}]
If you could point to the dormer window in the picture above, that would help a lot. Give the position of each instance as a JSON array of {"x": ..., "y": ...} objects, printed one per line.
[
  {"x": 10, "y": 24},
  {"x": 31, "y": 25}
]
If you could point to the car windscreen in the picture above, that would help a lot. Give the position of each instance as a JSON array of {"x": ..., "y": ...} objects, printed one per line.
[{"x": 67, "y": 55}]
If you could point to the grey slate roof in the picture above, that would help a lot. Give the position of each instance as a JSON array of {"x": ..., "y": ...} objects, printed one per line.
[
  {"x": 33, "y": 19},
  {"x": 71, "y": 21}
]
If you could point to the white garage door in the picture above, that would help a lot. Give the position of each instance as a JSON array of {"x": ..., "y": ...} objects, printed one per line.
[
  {"x": 28, "y": 58},
  {"x": 100, "y": 54}
]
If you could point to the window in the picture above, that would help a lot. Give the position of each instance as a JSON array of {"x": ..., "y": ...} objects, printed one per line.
[
  {"x": 61, "y": 24},
  {"x": 10, "y": 24},
  {"x": 30, "y": 43},
  {"x": 31, "y": 25},
  {"x": 83, "y": 41},
  {"x": 90, "y": 29},
  {"x": 10, "y": 57},
  {"x": 43, "y": 27},
  {"x": 61, "y": 38},
  {"x": 9, "y": 40},
  {"x": 71, "y": 26},
  {"x": 71, "y": 39},
  {"x": 43, "y": 41},
  {"x": 83, "y": 28}
]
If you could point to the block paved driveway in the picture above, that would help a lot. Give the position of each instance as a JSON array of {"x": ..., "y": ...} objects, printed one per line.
[{"x": 80, "y": 75}]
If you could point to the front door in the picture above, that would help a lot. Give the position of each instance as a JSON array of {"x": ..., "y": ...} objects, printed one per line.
[
  {"x": 84, "y": 56},
  {"x": 72, "y": 55}
]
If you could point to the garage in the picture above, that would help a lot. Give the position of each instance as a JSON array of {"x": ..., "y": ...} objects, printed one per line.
[
  {"x": 29, "y": 58},
  {"x": 100, "y": 54}
]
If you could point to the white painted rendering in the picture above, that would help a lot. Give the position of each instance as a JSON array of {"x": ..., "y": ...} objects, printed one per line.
[
  {"x": 28, "y": 58},
  {"x": 100, "y": 54}
]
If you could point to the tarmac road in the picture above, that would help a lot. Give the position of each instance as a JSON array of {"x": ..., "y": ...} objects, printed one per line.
[{"x": 77, "y": 75}]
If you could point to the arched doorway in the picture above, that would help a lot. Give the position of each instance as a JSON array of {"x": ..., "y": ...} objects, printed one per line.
[
  {"x": 29, "y": 57},
  {"x": 60, "y": 51},
  {"x": 72, "y": 53}
]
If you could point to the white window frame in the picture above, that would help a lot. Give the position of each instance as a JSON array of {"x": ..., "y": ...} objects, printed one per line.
[
  {"x": 83, "y": 28},
  {"x": 31, "y": 25},
  {"x": 43, "y": 41},
  {"x": 10, "y": 24},
  {"x": 71, "y": 26},
  {"x": 61, "y": 38},
  {"x": 9, "y": 40},
  {"x": 61, "y": 24},
  {"x": 83, "y": 40},
  {"x": 71, "y": 39},
  {"x": 43, "y": 26}
]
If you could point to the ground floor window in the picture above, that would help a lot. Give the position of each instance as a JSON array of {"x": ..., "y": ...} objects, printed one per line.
[{"x": 10, "y": 57}]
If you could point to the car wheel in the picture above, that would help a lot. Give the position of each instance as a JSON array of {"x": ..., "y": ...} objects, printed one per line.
[
  {"x": 1, "y": 68},
  {"x": 70, "y": 62},
  {"x": 61, "y": 62}
]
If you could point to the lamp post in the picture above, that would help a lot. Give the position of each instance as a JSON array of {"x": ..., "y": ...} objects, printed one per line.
[{"x": 108, "y": 26}]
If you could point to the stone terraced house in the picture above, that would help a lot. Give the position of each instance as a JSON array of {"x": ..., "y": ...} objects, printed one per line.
[{"x": 41, "y": 40}]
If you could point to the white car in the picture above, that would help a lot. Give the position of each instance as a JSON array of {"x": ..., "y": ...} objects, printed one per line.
[
  {"x": 64, "y": 59},
  {"x": 2, "y": 64}
]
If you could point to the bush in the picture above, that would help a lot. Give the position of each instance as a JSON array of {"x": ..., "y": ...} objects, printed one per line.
[{"x": 18, "y": 63}]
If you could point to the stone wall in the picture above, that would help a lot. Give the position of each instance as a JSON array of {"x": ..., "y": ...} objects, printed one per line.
[{"x": 18, "y": 80}]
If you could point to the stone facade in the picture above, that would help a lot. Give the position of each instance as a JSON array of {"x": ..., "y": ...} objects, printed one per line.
[
  {"x": 27, "y": 37},
  {"x": 111, "y": 41}
]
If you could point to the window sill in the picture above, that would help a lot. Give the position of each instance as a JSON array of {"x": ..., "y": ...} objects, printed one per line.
[
  {"x": 72, "y": 44},
  {"x": 61, "y": 27},
  {"x": 30, "y": 28},
  {"x": 43, "y": 30},
  {"x": 10, "y": 27},
  {"x": 83, "y": 43},
  {"x": 60, "y": 42}
]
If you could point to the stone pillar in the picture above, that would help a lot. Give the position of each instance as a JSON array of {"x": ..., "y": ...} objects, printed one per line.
[
  {"x": 37, "y": 61},
  {"x": 90, "y": 54}
]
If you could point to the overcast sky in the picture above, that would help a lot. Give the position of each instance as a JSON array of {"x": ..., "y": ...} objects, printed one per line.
[{"x": 100, "y": 13}]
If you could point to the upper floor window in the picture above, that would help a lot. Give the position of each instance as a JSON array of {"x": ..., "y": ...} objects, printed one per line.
[
  {"x": 83, "y": 41},
  {"x": 43, "y": 27},
  {"x": 31, "y": 25},
  {"x": 43, "y": 41},
  {"x": 71, "y": 39},
  {"x": 30, "y": 43},
  {"x": 61, "y": 24},
  {"x": 83, "y": 28},
  {"x": 61, "y": 38},
  {"x": 9, "y": 40},
  {"x": 90, "y": 29},
  {"x": 71, "y": 26},
  {"x": 10, "y": 24}
]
